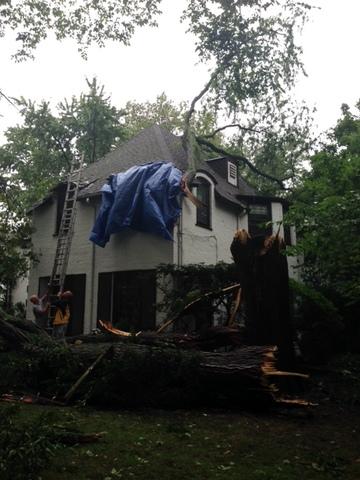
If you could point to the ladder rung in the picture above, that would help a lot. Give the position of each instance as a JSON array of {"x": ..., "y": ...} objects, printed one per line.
[{"x": 67, "y": 224}]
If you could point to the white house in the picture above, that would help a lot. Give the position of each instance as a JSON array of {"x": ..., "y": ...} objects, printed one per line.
[{"x": 118, "y": 282}]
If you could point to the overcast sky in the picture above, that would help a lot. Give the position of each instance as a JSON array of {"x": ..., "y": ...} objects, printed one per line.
[{"x": 164, "y": 59}]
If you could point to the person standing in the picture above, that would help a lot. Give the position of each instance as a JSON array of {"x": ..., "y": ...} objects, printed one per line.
[
  {"x": 62, "y": 314},
  {"x": 40, "y": 310}
]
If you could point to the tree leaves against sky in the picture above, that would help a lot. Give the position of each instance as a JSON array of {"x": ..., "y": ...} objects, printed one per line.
[
  {"x": 326, "y": 211},
  {"x": 252, "y": 45},
  {"x": 86, "y": 21}
]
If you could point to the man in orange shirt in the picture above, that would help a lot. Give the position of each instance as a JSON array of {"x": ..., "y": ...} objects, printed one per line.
[{"x": 62, "y": 315}]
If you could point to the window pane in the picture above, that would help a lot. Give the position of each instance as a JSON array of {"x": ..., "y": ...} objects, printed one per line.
[
  {"x": 203, "y": 213},
  {"x": 132, "y": 301},
  {"x": 259, "y": 210},
  {"x": 259, "y": 218}
]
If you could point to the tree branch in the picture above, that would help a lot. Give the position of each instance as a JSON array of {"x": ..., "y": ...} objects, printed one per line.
[
  {"x": 63, "y": 151},
  {"x": 190, "y": 112},
  {"x": 240, "y": 158},
  {"x": 240, "y": 127},
  {"x": 2, "y": 94}
]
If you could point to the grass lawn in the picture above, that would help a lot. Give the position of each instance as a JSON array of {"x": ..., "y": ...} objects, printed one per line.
[
  {"x": 323, "y": 443},
  {"x": 204, "y": 445}
]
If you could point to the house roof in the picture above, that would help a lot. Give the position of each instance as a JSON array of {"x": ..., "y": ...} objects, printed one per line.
[
  {"x": 153, "y": 144},
  {"x": 223, "y": 190},
  {"x": 150, "y": 145}
]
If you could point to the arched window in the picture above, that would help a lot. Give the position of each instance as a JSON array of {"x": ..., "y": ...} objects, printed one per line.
[{"x": 203, "y": 213}]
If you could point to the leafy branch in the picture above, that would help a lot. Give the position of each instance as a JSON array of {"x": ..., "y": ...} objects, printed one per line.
[
  {"x": 242, "y": 159},
  {"x": 233, "y": 125}
]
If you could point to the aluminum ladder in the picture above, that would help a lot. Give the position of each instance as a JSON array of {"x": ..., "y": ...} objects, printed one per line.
[{"x": 66, "y": 231}]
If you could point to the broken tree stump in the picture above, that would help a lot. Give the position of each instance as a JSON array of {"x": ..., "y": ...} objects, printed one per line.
[{"x": 263, "y": 275}]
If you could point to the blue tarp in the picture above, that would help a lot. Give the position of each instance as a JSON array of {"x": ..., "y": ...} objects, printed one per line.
[{"x": 144, "y": 198}]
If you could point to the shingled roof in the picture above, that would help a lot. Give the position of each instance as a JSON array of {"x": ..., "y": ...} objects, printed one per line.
[
  {"x": 153, "y": 144},
  {"x": 150, "y": 145}
]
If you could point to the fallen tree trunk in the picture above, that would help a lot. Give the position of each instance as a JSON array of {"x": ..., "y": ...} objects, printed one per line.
[
  {"x": 12, "y": 334},
  {"x": 210, "y": 339},
  {"x": 150, "y": 370},
  {"x": 147, "y": 374}
]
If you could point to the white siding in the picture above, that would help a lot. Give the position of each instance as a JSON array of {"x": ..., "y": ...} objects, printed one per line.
[
  {"x": 137, "y": 251},
  {"x": 126, "y": 251},
  {"x": 277, "y": 217},
  {"x": 208, "y": 246}
]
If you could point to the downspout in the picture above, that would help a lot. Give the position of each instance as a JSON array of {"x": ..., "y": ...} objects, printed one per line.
[
  {"x": 92, "y": 276},
  {"x": 241, "y": 214},
  {"x": 180, "y": 236}
]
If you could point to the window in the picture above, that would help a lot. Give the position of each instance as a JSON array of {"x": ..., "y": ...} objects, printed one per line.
[
  {"x": 203, "y": 213},
  {"x": 127, "y": 299},
  {"x": 232, "y": 174},
  {"x": 259, "y": 219},
  {"x": 287, "y": 235}
]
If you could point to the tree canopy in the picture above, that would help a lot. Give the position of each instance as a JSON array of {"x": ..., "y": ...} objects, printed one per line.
[
  {"x": 86, "y": 21},
  {"x": 251, "y": 47},
  {"x": 39, "y": 150},
  {"x": 326, "y": 211},
  {"x": 255, "y": 56},
  {"x": 37, "y": 154}
]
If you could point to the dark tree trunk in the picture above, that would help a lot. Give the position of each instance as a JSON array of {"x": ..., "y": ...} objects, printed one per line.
[{"x": 263, "y": 273}]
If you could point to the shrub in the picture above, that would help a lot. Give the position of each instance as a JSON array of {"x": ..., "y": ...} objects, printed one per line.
[
  {"x": 24, "y": 448},
  {"x": 317, "y": 322}
]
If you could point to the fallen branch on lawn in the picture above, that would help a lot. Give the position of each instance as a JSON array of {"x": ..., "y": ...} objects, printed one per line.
[{"x": 70, "y": 393}]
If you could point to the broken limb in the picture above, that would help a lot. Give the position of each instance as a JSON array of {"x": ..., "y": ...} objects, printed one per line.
[
  {"x": 30, "y": 399},
  {"x": 188, "y": 193},
  {"x": 195, "y": 302},
  {"x": 240, "y": 158},
  {"x": 13, "y": 334},
  {"x": 232, "y": 125},
  {"x": 108, "y": 327},
  {"x": 188, "y": 136},
  {"x": 77, "y": 384},
  {"x": 235, "y": 308}
]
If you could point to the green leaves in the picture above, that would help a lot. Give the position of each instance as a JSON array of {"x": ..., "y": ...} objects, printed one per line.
[
  {"x": 87, "y": 22},
  {"x": 170, "y": 115},
  {"x": 37, "y": 156},
  {"x": 253, "y": 46},
  {"x": 326, "y": 211}
]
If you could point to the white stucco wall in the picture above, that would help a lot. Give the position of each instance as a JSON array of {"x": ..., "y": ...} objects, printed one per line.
[
  {"x": 277, "y": 216},
  {"x": 204, "y": 245},
  {"x": 137, "y": 251},
  {"x": 195, "y": 244},
  {"x": 125, "y": 251}
]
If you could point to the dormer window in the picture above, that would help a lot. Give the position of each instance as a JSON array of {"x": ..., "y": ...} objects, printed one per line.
[{"x": 232, "y": 174}]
